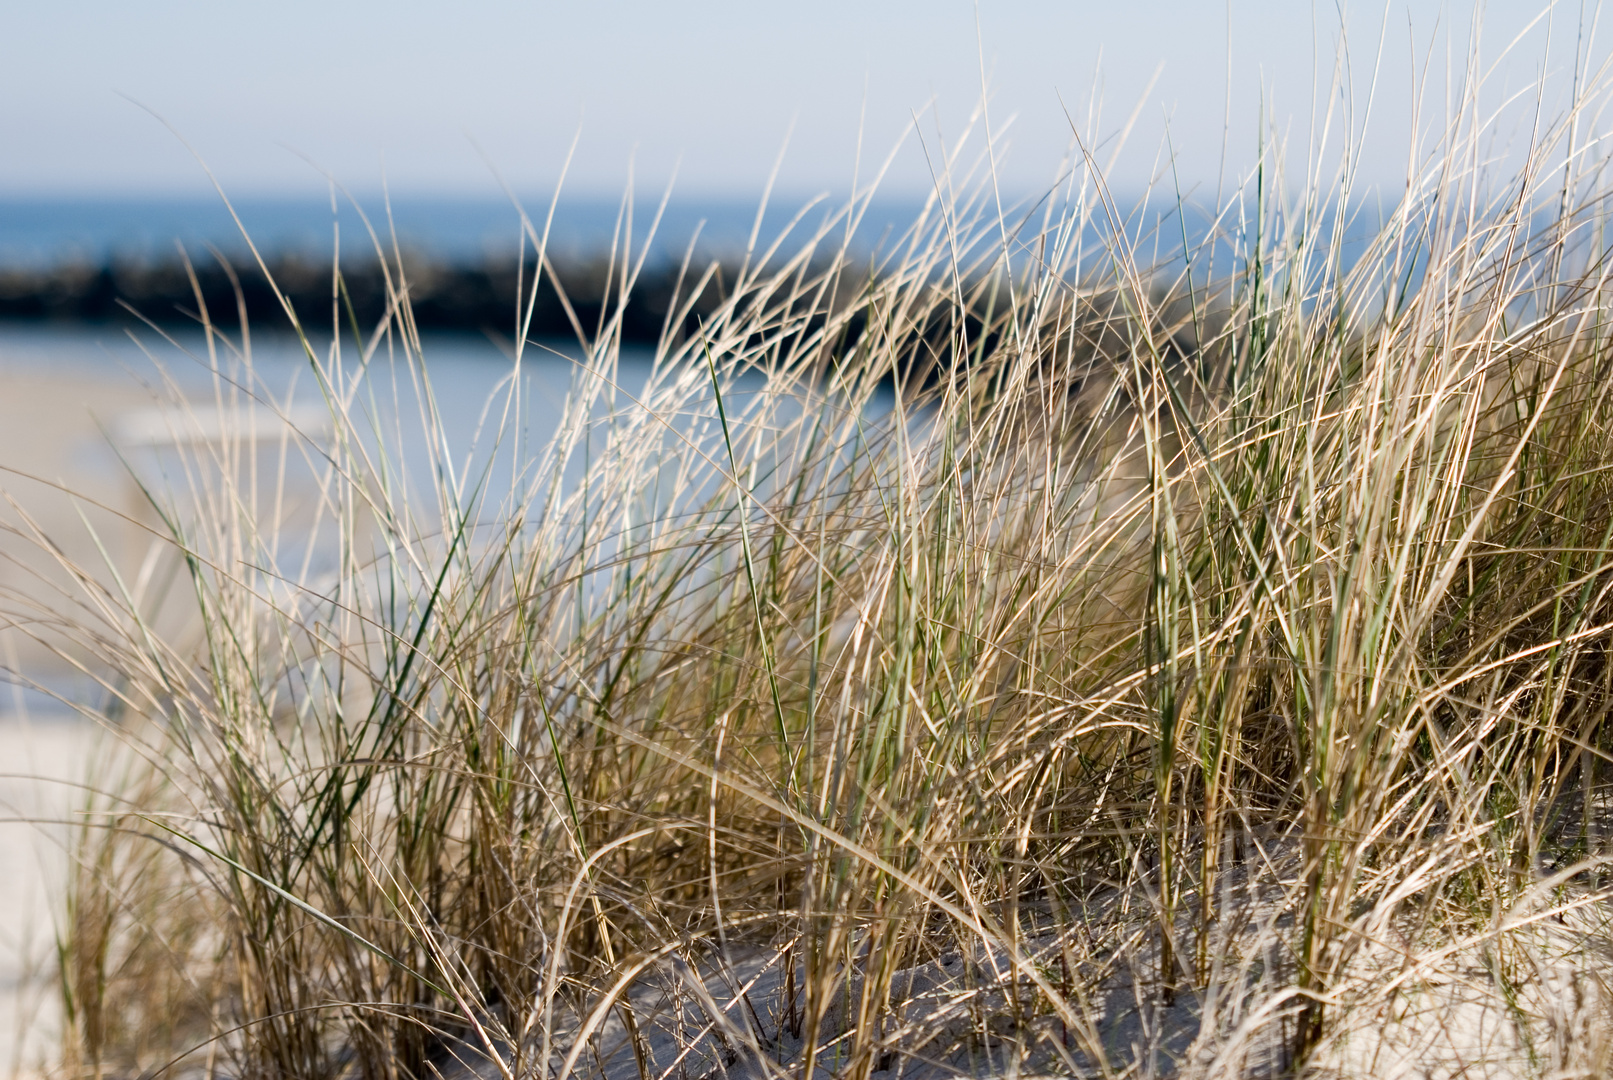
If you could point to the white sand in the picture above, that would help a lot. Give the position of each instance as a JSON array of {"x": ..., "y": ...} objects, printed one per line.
[{"x": 41, "y": 765}]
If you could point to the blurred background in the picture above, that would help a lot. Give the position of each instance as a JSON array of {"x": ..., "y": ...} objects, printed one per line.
[{"x": 112, "y": 108}]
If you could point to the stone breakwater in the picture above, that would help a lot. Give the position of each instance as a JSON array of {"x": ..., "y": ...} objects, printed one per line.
[{"x": 469, "y": 296}]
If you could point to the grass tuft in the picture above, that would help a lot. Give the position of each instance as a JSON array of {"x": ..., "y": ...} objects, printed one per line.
[{"x": 1020, "y": 652}]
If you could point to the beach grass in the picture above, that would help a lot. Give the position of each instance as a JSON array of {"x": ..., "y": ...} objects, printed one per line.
[{"x": 1080, "y": 640}]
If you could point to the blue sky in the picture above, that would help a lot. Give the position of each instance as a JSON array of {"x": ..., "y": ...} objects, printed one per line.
[{"x": 419, "y": 92}]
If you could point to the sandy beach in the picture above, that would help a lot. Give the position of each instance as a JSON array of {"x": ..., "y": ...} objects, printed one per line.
[
  {"x": 71, "y": 441},
  {"x": 46, "y": 762},
  {"x": 55, "y": 437}
]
